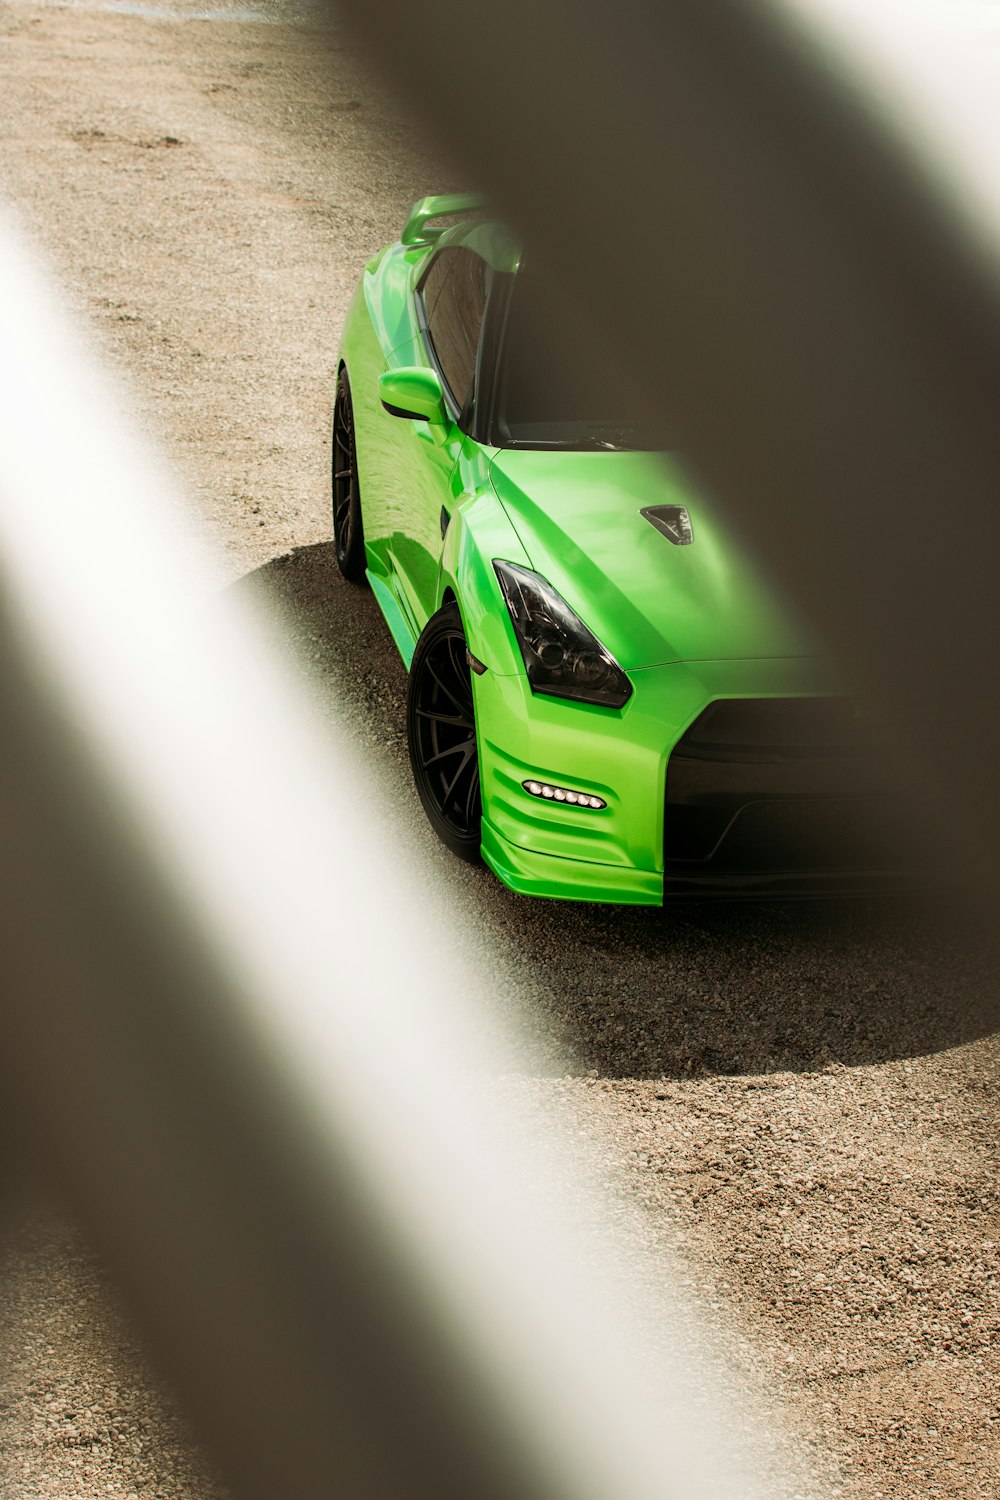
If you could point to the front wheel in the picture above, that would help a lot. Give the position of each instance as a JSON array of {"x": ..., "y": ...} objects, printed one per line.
[{"x": 441, "y": 733}]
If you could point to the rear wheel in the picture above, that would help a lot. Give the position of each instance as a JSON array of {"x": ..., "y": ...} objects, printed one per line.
[
  {"x": 348, "y": 534},
  {"x": 441, "y": 732}
]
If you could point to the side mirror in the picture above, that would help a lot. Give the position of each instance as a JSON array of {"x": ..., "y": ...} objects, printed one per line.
[{"x": 412, "y": 391}]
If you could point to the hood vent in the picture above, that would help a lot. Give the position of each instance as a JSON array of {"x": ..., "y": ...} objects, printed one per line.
[{"x": 673, "y": 521}]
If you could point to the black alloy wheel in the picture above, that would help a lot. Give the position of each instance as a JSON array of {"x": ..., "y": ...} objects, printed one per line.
[
  {"x": 348, "y": 533},
  {"x": 441, "y": 732}
]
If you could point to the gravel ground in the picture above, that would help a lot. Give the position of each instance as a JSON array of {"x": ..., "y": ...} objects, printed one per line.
[
  {"x": 83, "y": 1417},
  {"x": 796, "y": 1106}
]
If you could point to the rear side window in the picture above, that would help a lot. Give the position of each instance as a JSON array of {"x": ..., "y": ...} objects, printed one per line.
[{"x": 454, "y": 297}]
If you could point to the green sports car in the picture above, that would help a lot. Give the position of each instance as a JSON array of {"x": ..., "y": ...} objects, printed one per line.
[{"x": 605, "y": 701}]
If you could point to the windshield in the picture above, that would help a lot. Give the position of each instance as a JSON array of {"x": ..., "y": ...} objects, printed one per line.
[{"x": 548, "y": 396}]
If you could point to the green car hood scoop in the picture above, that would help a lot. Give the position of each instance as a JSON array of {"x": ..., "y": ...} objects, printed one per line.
[
  {"x": 673, "y": 521},
  {"x": 586, "y": 523}
]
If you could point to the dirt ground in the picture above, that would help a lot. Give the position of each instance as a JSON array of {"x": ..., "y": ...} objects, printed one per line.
[{"x": 799, "y": 1105}]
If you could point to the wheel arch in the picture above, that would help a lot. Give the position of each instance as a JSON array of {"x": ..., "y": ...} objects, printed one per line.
[
  {"x": 478, "y": 532},
  {"x": 441, "y": 733}
]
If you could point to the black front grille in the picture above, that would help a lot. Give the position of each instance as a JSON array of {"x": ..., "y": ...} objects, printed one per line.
[
  {"x": 780, "y": 786},
  {"x": 778, "y": 728}
]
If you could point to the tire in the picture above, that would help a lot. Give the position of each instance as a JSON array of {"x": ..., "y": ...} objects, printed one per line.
[
  {"x": 441, "y": 734},
  {"x": 348, "y": 532}
]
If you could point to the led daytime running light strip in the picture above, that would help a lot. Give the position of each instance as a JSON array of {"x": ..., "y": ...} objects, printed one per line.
[{"x": 562, "y": 794}]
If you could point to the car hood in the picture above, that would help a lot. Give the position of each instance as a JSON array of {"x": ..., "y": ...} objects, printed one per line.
[{"x": 578, "y": 517}]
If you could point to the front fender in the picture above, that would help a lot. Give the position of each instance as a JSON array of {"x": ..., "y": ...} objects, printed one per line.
[{"x": 478, "y": 532}]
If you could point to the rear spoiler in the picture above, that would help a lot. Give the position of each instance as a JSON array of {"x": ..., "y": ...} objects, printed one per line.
[{"x": 416, "y": 230}]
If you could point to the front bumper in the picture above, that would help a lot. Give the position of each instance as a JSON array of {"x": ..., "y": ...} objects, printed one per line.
[
  {"x": 531, "y": 873},
  {"x": 640, "y": 847}
]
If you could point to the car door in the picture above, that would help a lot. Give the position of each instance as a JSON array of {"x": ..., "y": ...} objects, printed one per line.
[{"x": 420, "y": 459}]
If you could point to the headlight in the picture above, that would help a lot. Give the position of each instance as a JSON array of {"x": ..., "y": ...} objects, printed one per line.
[{"x": 561, "y": 656}]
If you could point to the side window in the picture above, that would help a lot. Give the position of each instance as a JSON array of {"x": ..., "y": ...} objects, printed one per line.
[{"x": 454, "y": 297}]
